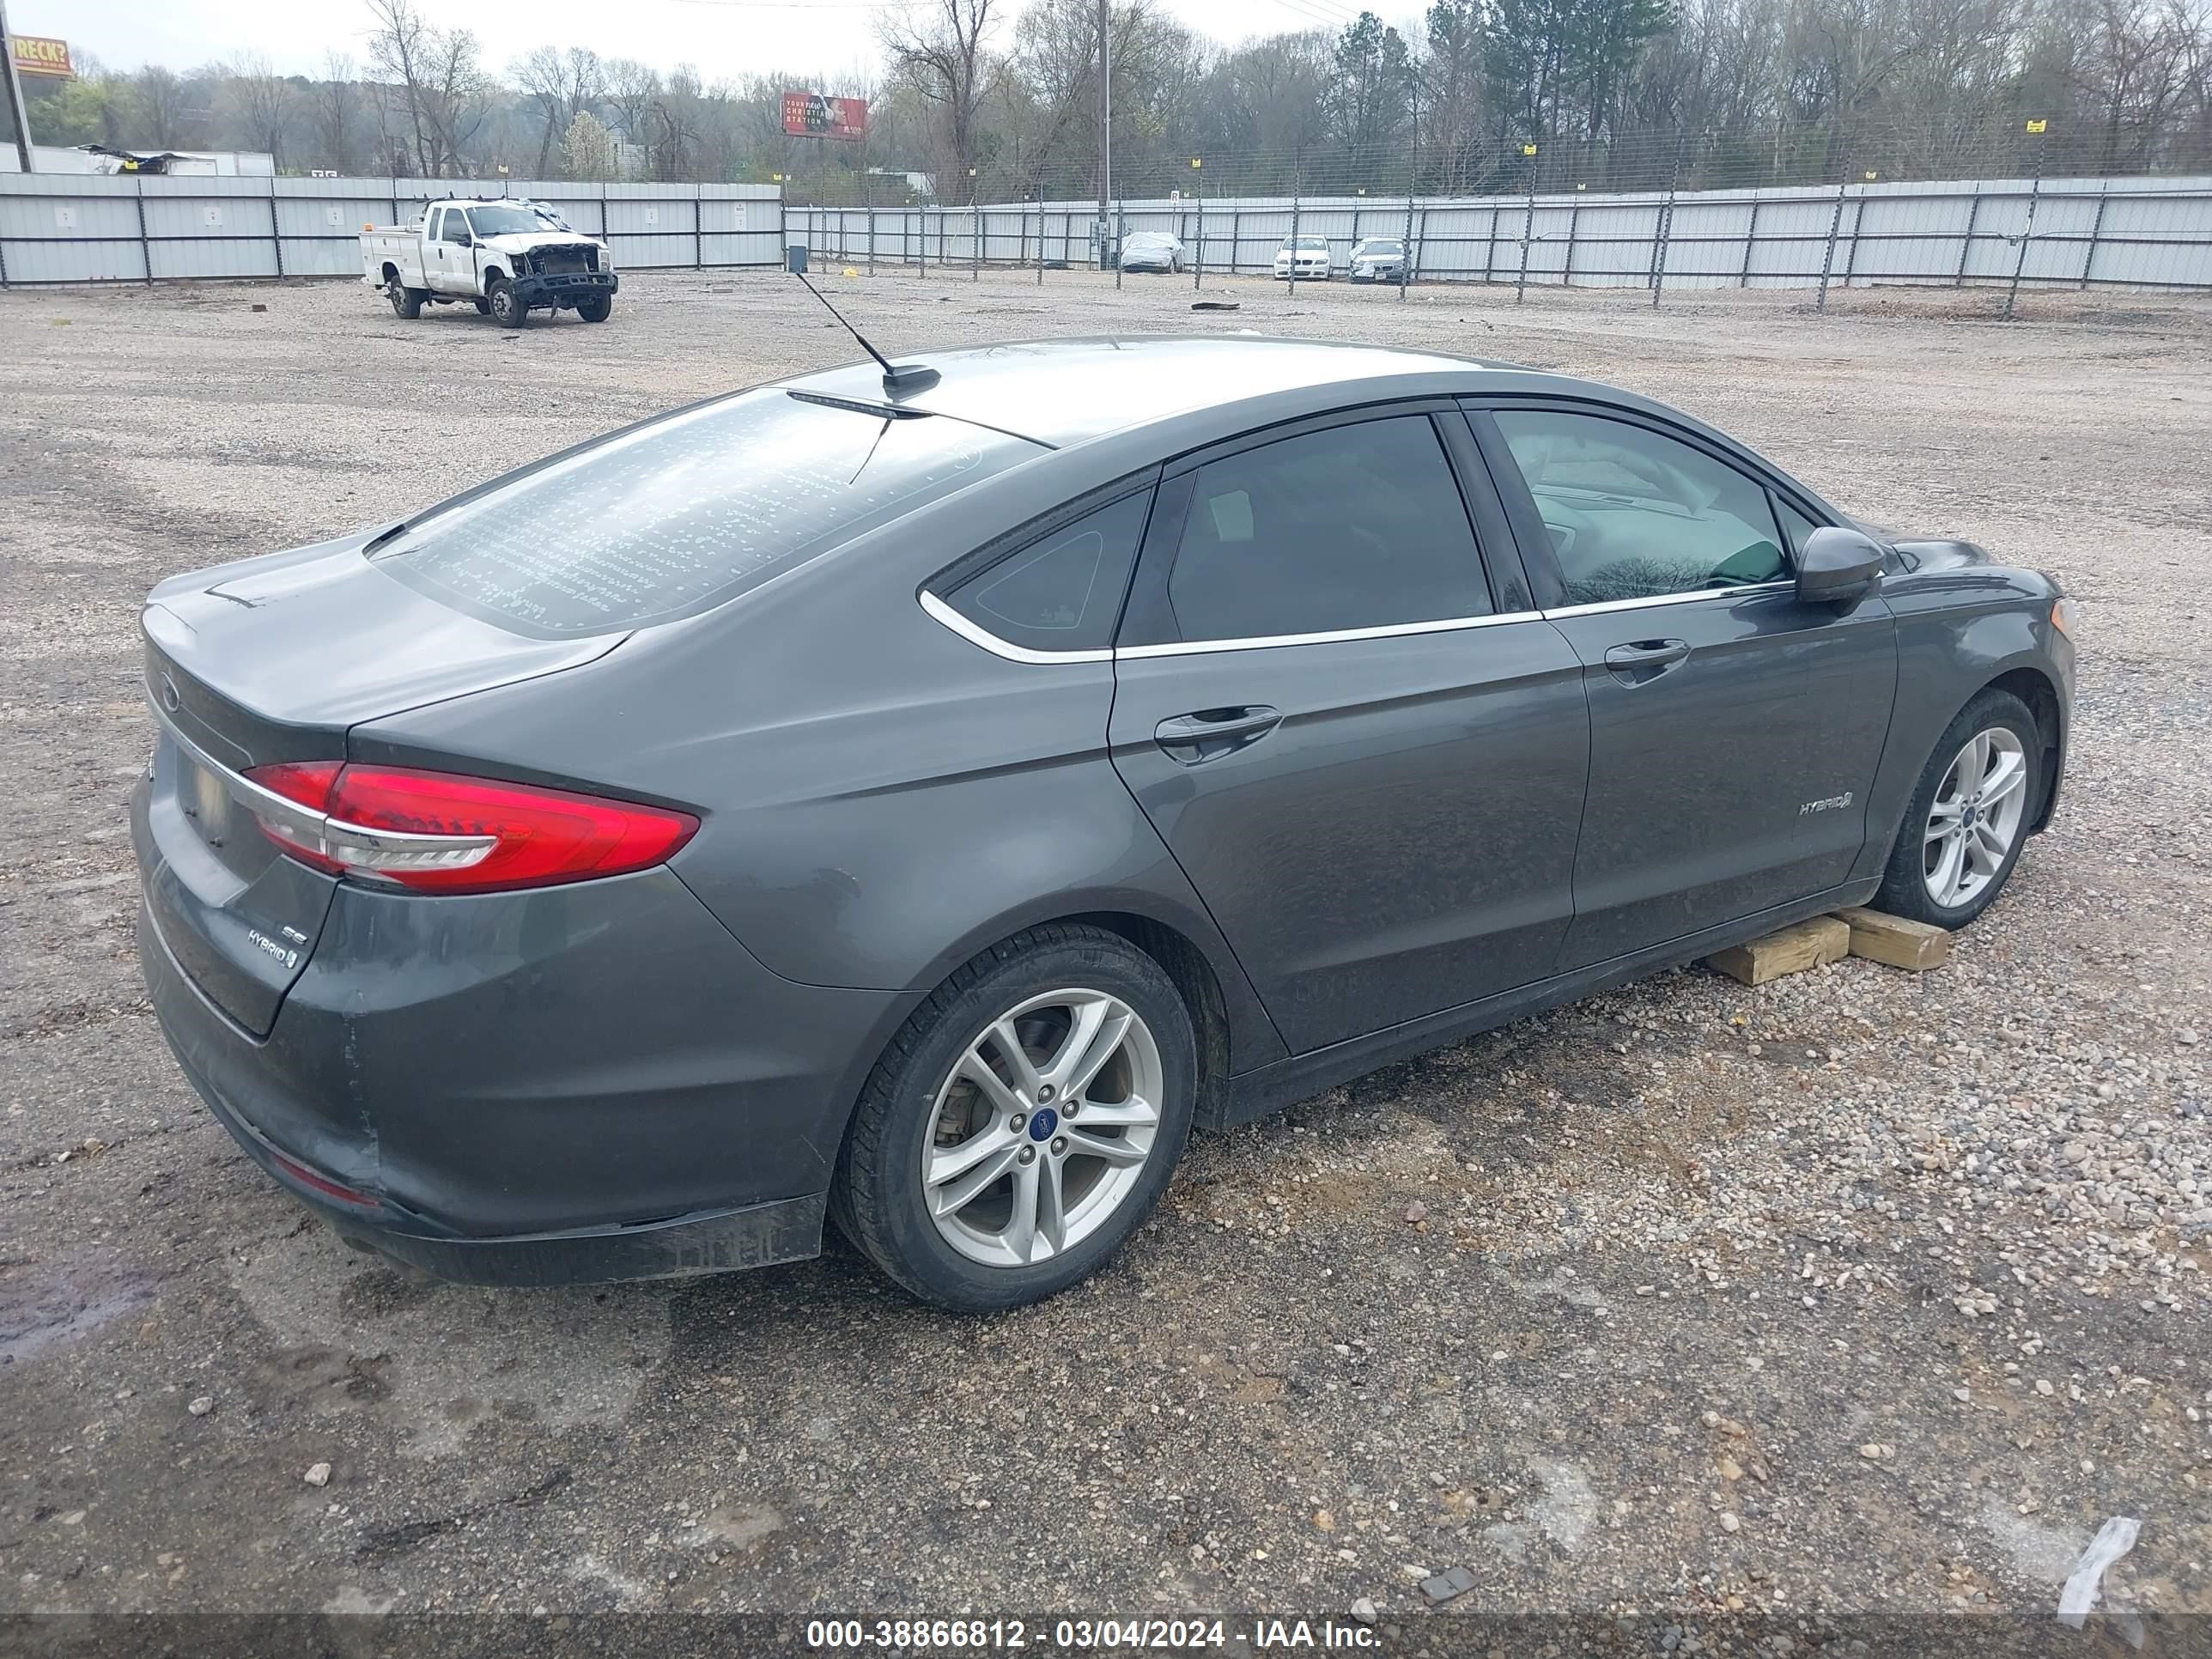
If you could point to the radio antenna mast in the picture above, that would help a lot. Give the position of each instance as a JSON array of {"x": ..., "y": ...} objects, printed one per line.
[{"x": 897, "y": 377}]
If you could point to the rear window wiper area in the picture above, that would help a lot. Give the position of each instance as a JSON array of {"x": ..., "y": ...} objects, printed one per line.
[{"x": 862, "y": 406}]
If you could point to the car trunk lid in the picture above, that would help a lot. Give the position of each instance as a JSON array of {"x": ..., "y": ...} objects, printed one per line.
[{"x": 242, "y": 672}]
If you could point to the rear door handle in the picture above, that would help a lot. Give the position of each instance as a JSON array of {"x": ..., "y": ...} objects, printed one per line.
[
  {"x": 1644, "y": 659},
  {"x": 1210, "y": 733}
]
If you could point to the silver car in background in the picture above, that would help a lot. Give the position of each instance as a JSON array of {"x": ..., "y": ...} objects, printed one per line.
[
  {"x": 1378, "y": 259},
  {"x": 1304, "y": 255},
  {"x": 1152, "y": 250}
]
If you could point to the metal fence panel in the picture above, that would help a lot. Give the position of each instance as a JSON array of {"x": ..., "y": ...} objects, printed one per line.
[
  {"x": 2136, "y": 232},
  {"x": 89, "y": 227}
]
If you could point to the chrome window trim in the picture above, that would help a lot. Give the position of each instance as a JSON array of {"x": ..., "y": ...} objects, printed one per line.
[
  {"x": 1649, "y": 599},
  {"x": 946, "y": 617},
  {"x": 1333, "y": 636}
]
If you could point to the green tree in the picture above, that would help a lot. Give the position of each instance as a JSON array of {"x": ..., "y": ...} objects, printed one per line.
[
  {"x": 1369, "y": 99},
  {"x": 587, "y": 149}
]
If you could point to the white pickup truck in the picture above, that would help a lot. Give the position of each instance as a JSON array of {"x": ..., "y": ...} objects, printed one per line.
[{"x": 510, "y": 258}]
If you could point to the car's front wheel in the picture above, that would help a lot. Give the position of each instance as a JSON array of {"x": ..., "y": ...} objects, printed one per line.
[
  {"x": 1023, "y": 1121},
  {"x": 507, "y": 308},
  {"x": 1968, "y": 818}
]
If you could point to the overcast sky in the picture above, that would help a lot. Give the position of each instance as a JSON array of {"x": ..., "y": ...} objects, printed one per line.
[{"x": 724, "y": 37}]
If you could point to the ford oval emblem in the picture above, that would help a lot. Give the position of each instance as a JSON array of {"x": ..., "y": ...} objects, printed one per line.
[{"x": 169, "y": 699}]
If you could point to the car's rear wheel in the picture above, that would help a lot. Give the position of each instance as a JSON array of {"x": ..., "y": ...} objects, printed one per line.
[
  {"x": 1968, "y": 818},
  {"x": 1023, "y": 1121},
  {"x": 406, "y": 303}
]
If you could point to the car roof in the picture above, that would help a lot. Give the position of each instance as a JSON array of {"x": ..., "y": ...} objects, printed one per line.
[{"x": 1066, "y": 391}]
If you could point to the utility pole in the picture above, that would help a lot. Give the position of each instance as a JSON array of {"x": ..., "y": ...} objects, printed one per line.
[
  {"x": 16, "y": 118},
  {"x": 1105, "y": 122}
]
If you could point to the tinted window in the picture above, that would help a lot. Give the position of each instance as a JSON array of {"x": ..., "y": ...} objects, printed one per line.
[
  {"x": 1632, "y": 513},
  {"x": 668, "y": 519},
  {"x": 1064, "y": 593},
  {"x": 1795, "y": 524},
  {"x": 455, "y": 227},
  {"x": 1355, "y": 526}
]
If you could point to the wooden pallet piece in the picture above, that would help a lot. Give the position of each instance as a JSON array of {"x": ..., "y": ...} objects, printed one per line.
[
  {"x": 1812, "y": 943},
  {"x": 1915, "y": 946}
]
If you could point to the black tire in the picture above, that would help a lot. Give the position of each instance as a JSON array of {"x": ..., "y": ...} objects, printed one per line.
[
  {"x": 483, "y": 307},
  {"x": 406, "y": 303},
  {"x": 597, "y": 309},
  {"x": 507, "y": 308},
  {"x": 1904, "y": 887},
  {"x": 878, "y": 1198}
]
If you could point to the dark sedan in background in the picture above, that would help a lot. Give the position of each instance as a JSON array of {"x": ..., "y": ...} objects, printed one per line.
[{"x": 920, "y": 796}]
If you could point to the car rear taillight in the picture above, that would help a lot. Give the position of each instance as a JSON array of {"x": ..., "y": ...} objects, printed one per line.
[{"x": 438, "y": 832}]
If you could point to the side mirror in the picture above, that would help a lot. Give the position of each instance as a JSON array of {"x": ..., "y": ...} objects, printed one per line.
[
  {"x": 1837, "y": 567},
  {"x": 464, "y": 240}
]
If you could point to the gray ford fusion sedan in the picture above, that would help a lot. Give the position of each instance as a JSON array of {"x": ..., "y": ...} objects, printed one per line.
[{"x": 918, "y": 796}]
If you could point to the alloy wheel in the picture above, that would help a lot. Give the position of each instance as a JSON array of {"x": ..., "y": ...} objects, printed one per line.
[
  {"x": 1975, "y": 818},
  {"x": 1042, "y": 1129}
]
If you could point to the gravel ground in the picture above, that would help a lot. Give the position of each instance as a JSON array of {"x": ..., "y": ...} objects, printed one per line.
[{"x": 1855, "y": 1293}]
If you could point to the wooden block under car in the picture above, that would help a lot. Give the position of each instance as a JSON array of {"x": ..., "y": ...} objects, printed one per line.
[
  {"x": 1878, "y": 936},
  {"x": 1808, "y": 945}
]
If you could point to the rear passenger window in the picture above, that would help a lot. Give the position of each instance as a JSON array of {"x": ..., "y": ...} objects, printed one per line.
[
  {"x": 1064, "y": 593},
  {"x": 1353, "y": 526}
]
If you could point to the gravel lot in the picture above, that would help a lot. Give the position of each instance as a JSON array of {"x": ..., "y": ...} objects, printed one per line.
[{"x": 1857, "y": 1291}]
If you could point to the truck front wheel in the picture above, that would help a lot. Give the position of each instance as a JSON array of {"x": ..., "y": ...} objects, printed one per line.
[
  {"x": 597, "y": 309},
  {"x": 507, "y": 308},
  {"x": 406, "y": 303}
]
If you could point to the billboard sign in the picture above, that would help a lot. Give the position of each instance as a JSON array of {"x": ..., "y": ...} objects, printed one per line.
[
  {"x": 811, "y": 115},
  {"x": 35, "y": 54}
]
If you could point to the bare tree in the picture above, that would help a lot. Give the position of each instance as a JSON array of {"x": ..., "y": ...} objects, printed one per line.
[
  {"x": 161, "y": 98},
  {"x": 337, "y": 108},
  {"x": 939, "y": 50},
  {"x": 402, "y": 45},
  {"x": 631, "y": 88},
  {"x": 561, "y": 86},
  {"x": 263, "y": 102},
  {"x": 461, "y": 94}
]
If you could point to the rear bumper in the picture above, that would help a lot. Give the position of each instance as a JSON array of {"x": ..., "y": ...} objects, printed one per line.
[
  {"x": 755, "y": 1236},
  {"x": 588, "y": 1082},
  {"x": 567, "y": 290}
]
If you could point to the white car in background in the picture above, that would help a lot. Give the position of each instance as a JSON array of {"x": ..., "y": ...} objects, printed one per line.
[
  {"x": 1378, "y": 259},
  {"x": 1304, "y": 256},
  {"x": 1152, "y": 250}
]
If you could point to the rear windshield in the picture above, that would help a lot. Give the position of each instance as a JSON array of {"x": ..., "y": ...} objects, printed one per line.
[{"x": 670, "y": 519}]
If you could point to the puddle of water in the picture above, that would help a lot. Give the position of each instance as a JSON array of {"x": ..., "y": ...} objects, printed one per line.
[{"x": 44, "y": 1305}]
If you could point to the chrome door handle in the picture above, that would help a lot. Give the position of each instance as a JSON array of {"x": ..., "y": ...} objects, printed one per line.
[
  {"x": 1642, "y": 660},
  {"x": 1189, "y": 740}
]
